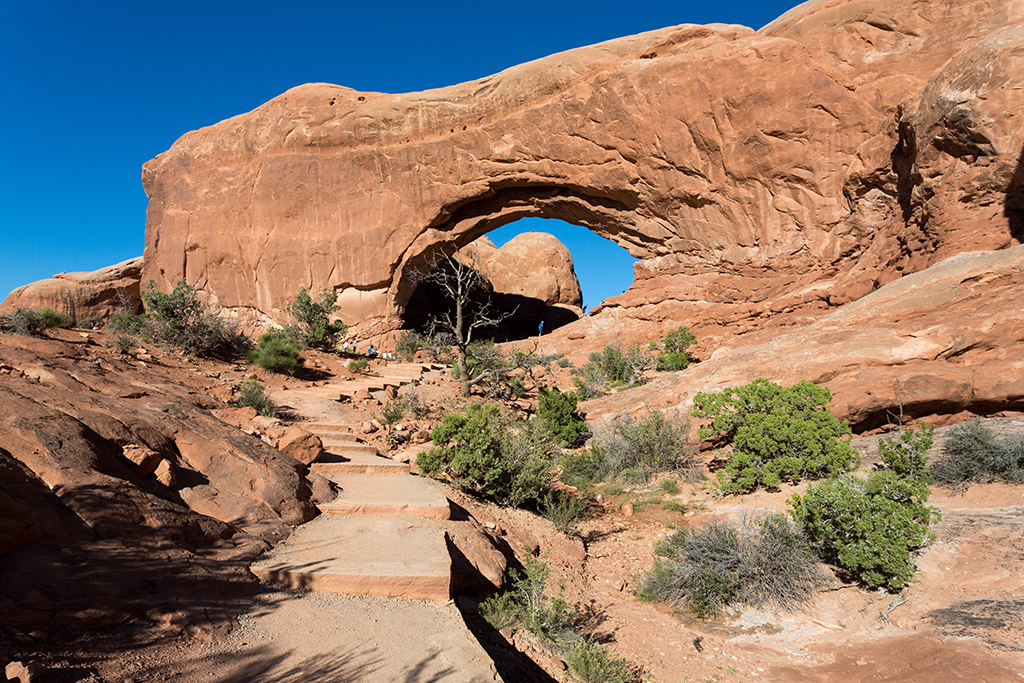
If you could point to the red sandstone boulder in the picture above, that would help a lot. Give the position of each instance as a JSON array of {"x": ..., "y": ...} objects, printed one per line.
[{"x": 102, "y": 292}]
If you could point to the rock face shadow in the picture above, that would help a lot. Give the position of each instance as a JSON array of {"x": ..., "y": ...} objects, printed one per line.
[{"x": 1014, "y": 206}]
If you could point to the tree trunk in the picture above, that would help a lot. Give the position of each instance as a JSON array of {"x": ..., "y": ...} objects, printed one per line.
[{"x": 463, "y": 372}]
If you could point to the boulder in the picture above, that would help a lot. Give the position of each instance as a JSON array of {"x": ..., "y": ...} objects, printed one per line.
[{"x": 100, "y": 293}]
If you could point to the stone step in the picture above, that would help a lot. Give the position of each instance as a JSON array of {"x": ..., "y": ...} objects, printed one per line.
[
  {"x": 347, "y": 448},
  {"x": 357, "y": 463},
  {"x": 387, "y": 494},
  {"x": 337, "y": 431},
  {"x": 397, "y": 557}
]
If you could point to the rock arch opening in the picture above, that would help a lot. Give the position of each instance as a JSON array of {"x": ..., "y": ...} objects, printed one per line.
[{"x": 541, "y": 271}]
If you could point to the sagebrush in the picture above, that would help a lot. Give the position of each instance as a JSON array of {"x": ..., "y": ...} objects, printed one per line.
[{"x": 761, "y": 562}]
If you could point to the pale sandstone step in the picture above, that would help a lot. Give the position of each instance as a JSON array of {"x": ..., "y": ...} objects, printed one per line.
[
  {"x": 347, "y": 448},
  {"x": 387, "y": 494},
  {"x": 362, "y": 555},
  {"x": 331, "y": 463}
]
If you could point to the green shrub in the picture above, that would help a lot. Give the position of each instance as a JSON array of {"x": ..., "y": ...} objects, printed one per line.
[
  {"x": 558, "y": 413},
  {"x": 564, "y": 509},
  {"x": 906, "y": 454},
  {"x": 50, "y": 318},
  {"x": 776, "y": 434},
  {"x": 641, "y": 446},
  {"x": 407, "y": 345},
  {"x": 179, "y": 319},
  {"x": 762, "y": 562},
  {"x": 128, "y": 323},
  {"x": 252, "y": 394},
  {"x": 972, "y": 452},
  {"x": 590, "y": 662},
  {"x": 358, "y": 365},
  {"x": 313, "y": 317},
  {"x": 564, "y": 363},
  {"x": 91, "y": 322},
  {"x": 870, "y": 528},
  {"x": 485, "y": 452},
  {"x": 582, "y": 469},
  {"x": 590, "y": 381},
  {"x": 527, "y": 605},
  {"x": 611, "y": 366},
  {"x": 669, "y": 486},
  {"x": 673, "y": 505},
  {"x": 673, "y": 355},
  {"x": 277, "y": 352}
]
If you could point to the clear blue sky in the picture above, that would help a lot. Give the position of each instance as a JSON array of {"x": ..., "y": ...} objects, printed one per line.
[{"x": 89, "y": 91}]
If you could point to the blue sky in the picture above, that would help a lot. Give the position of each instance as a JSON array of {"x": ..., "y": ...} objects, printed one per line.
[{"x": 89, "y": 91}]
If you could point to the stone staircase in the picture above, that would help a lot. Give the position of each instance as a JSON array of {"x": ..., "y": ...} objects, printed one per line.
[{"x": 384, "y": 534}]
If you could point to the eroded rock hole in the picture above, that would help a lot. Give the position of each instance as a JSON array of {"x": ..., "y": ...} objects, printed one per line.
[{"x": 537, "y": 271}]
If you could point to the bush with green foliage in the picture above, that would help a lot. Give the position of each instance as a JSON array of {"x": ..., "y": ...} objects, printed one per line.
[
  {"x": 557, "y": 411},
  {"x": 313, "y": 317},
  {"x": 278, "y": 352},
  {"x": 973, "y": 453},
  {"x": 91, "y": 322},
  {"x": 673, "y": 355},
  {"x": 565, "y": 509},
  {"x": 527, "y": 605},
  {"x": 486, "y": 452},
  {"x": 762, "y": 562},
  {"x": 51, "y": 318},
  {"x": 873, "y": 528},
  {"x": 407, "y": 344},
  {"x": 639, "y": 447},
  {"x": 358, "y": 365},
  {"x": 179, "y": 319},
  {"x": 591, "y": 662},
  {"x": 777, "y": 434},
  {"x": 611, "y": 367},
  {"x": 252, "y": 394}
]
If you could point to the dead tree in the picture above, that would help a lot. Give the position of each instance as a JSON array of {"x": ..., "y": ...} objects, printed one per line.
[{"x": 468, "y": 291}]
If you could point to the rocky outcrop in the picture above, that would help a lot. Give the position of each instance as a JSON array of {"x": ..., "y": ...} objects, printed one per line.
[
  {"x": 100, "y": 293},
  {"x": 533, "y": 278},
  {"x": 121, "y": 495},
  {"x": 948, "y": 339},
  {"x": 763, "y": 178}
]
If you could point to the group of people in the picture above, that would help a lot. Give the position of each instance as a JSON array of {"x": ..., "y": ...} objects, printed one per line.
[{"x": 348, "y": 346}]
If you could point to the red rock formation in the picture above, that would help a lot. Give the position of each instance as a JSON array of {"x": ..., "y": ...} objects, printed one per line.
[
  {"x": 120, "y": 495},
  {"x": 81, "y": 295},
  {"x": 945, "y": 340},
  {"x": 763, "y": 178}
]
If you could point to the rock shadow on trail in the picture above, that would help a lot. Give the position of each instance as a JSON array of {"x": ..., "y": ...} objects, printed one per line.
[{"x": 268, "y": 664}]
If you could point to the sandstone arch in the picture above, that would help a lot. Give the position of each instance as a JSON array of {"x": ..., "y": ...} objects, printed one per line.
[
  {"x": 753, "y": 174},
  {"x": 609, "y": 218}
]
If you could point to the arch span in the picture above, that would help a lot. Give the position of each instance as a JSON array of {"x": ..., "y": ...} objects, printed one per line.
[{"x": 751, "y": 174}]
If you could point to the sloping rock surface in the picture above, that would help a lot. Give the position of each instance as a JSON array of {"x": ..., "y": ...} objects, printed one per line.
[
  {"x": 945, "y": 340},
  {"x": 123, "y": 496},
  {"x": 763, "y": 178},
  {"x": 101, "y": 293}
]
